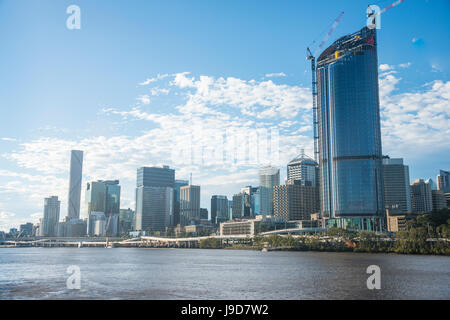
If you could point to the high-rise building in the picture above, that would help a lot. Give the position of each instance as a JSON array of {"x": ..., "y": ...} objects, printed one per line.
[
  {"x": 154, "y": 198},
  {"x": 219, "y": 209},
  {"x": 443, "y": 181},
  {"x": 204, "y": 214},
  {"x": 126, "y": 221},
  {"x": 76, "y": 172},
  {"x": 438, "y": 200},
  {"x": 268, "y": 178},
  {"x": 295, "y": 200},
  {"x": 176, "y": 206},
  {"x": 51, "y": 217},
  {"x": 305, "y": 169},
  {"x": 421, "y": 196},
  {"x": 104, "y": 196},
  {"x": 26, "y": 229},
  {"x": 189, "y": 204},
  {"x": 397, "y": 196},
  {"x": 253, "y": 201},
  {"x": 349, "y": 133}
]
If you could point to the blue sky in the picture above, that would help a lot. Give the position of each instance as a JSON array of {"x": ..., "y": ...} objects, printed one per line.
[{"x": 223, "y": 66}]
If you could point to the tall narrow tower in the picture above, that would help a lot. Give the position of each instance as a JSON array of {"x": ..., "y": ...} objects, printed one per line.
[
  {"x": 349, "y": 132},
  {"x": 76, "y": 171}
]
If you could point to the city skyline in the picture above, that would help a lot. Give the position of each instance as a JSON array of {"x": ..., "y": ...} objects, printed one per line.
[{"x": 35, "y": 164}]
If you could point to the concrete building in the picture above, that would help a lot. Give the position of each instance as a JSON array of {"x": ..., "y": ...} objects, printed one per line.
[
  {"x": 189, "y": 204},
  {"x": 396, "y": 185},
  {"x": 421, "y": 196},
  {"x": 51, "y": 217},
  {"x": 295, "y": 201},
  {"x": 76, "y": 173},
  {"x": 303, "y": 168},
  {"x": 219, "y": 209},
  {"x": 268, "y": 178},
  {"x": 350, "y": 153},
  {"x": 254, "y": 226}
]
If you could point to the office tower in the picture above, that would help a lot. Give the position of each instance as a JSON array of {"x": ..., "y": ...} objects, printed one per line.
[
  {"x": 303, "y": 168},
  {"x": 253, "y": 199},
  {"x": 154, "y": 198},
  {"x": 96, "y": 225},
  {"x": 189, "y": 204},
  {"x": 76, "y": 170},
  {"x": 219, "y": 209},
  {"x": 443, "y": 181},
  {"x": 230, "y": 209},
  {"x": 26, "y": 229},
  {"x": 238, "y": 206},
  {"x": 295, "y": 200},
  {"x": 349, "y": 133},
  {"x": 156, "y": 177},
  {"x": 104, "y": 196},
  {"x": 51, "y": 217},
  {"x": 421, "y": 196},
  {"x": 397, "y": 196},
  {"x": 204, "y": 214},
  {"x": 438, "y": 200},
  {"x": 126, "y": 221},
  {"x": 268, "y": 178},
  {"x": 176, "y": 206}
]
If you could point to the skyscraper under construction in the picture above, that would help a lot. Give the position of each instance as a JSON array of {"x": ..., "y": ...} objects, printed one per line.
[{"x": 350, "y": 154}]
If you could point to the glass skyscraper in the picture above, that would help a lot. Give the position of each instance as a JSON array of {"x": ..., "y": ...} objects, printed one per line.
[
  {"x": 350, "y": 154},
  {"x": 154, "y": 198}
]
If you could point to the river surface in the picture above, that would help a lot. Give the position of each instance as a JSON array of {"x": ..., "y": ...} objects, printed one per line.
[{"x": 133, "y": 273}]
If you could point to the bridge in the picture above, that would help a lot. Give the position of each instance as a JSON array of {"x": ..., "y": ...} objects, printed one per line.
[{"x": 147, "y": 241}]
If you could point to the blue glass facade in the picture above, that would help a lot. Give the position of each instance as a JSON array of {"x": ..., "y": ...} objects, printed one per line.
[{"x": 349, "y": 128}]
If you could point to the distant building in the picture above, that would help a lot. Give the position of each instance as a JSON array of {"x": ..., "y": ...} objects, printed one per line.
[
  {"x": 176, "y": 207},
  {"x": 443, "y": 181},
  {"x": 154, "y": 198},
  {"x": 204, "y": 214},
  {"x": 241, "y": 206},
  {"x": 268, "y": 178},
  {"x": 219, "y": 209},
  {"x": 126, "y": 221},
  {"x": 421, "y": 196},
  {"x": 438, "y": 200},
  {"x": 51, "y": 216},
  {"x": 251, "y": 227},
  {"x": 396, "y": 223},
  {"x": 76, "y": 170},
  {"x": 26, "y": 229},
  {"x": 295, "y": 201},
  {"x": 189, "y": 204},
  {"x": 396, "y": 185},
  {"x": 303, "y": 168},
  {"x": 96, "y": 224},
  {"x": 447, "y": 198},
  {"x": 104, "y": 196}
]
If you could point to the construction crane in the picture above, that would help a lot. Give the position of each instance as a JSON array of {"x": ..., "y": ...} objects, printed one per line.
[
  {"x": 375, "y": 14},
  {"x": 311, "y": 56}
]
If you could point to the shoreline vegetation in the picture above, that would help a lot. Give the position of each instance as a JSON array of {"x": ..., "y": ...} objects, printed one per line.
[{"x": 426, "y": 234}]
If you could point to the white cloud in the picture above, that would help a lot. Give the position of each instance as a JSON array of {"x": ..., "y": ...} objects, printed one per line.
[
  {"x": 8, "y": 139},
  {"x": 279, "y": 74},
  {"x": 145, "y": 99}
]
